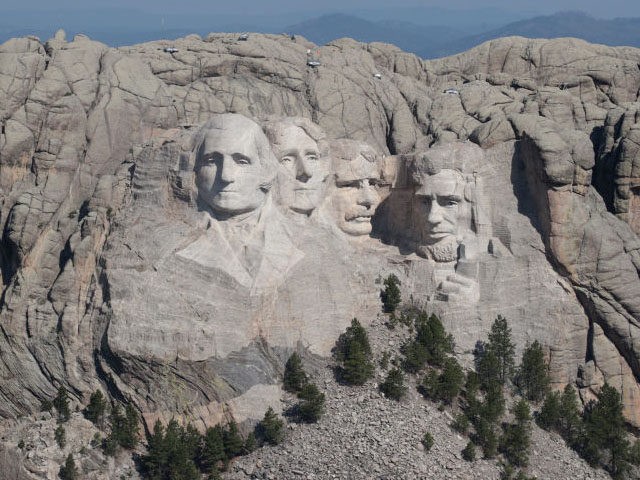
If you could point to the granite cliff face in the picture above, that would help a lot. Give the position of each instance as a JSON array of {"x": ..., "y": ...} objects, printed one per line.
[{"x": 126, "y": 263}]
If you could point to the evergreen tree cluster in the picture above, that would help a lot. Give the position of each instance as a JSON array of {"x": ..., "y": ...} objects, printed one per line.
[
  {"x": 125, "y": 429},
  {"x": 598, "y": 434},
  {"x": 180, "y": 452},
  {"x": 432, "y": 344},
  {"x": 311, "y": 405}
]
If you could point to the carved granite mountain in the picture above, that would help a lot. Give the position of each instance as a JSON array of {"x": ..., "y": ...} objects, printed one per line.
[{"x": 128, "y": 262}]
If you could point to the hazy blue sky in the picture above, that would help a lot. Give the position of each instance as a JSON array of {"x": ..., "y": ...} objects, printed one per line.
[{"x": 598, "y": 8}]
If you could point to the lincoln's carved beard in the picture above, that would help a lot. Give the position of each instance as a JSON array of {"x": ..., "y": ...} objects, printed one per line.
[{"x": 444, "y": 251}]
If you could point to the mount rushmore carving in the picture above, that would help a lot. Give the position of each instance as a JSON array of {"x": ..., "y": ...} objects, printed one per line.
[{"x": 173, "y": 253}]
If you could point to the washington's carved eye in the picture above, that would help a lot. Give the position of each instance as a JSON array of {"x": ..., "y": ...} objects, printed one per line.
[
  {"x": 241, "y": 159},
  {"x": 211, "y": 158},
  {"x": 286, "y": 159},
  {"x": 312, "y": 157}
]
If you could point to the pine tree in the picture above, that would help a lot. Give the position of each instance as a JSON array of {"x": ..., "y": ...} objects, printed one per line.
[
  {"x": 294, "y": 374},
  {"x": 391, "y": 296},
  {"x": 532, "y": 377},
  {"x": 486, "y": 437},
  {"x": 469, "y": 452},
  {"x": 571, "y": 424},
  {"x": 516, "y": 438},
  {"x": 427, "y": 441},
  {"x": 212, "y": 449},
  {"x": 271, "y": 428},
  {"x": 156, "y": 461},
  {"x": 432, "y": 344},
  {"x": 311, "y": 405},
  {"x": 353, "y": 351},
  {"x": 451, "y": 380},
  {"x": 233, "y": 441},
  {"x": 434, "y": 337},
  {"x": 60, "y": 436},
  {"x": 549, "y": 415},
  {"x": 501, "y": 345},
  {"x": 68, "y": 471},
  {"x": 605, "y": 433},
  {"x": 393, "y": 387},
  {"x": 96, "y": 409},
  {"x": 61, "y": 404}
]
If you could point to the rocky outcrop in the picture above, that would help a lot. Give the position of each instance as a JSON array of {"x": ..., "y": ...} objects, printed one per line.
[{"x": 106, "y": 252}]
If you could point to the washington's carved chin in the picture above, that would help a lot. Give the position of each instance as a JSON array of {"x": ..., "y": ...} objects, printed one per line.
[{"x": 444, "y": 250}]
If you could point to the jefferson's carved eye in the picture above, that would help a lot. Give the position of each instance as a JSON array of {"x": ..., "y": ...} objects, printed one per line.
[{"x": 348, "y": 183}]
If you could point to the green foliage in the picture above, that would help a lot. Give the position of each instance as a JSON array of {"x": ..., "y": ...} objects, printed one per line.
[
  {"x": 60, "y": 435},
  {"x": 125, "y": 429},
  {"x": 486, "y": 437},
  {"x": 384, "y": 360},
  {"x": 233, "y": 441},
  {"x": 311, "y": 406},
  {"x": 271, "y": 428},
  {"x": 61, "y": 404},
  {"x": 605, "y": 435},
  {"x": 571, "y": 425},
  {"x": 353, "y": 351},
  {"x": 393, "y": 386},
  {"x": 501, "y": 345},
  {"x": 68, "y": 471},
  {"x": 211, "y": 453},
  {"x": 444, "y": 386},
  {"x": 461, "y": 423},
  {"x": 516, "y": 438},
  {"x": 294, "y": 375},
  {"x": 171, "y": 453},
  {"x": 250, "y": 443},
  {"x": 492, "y": 407},
  {"x": 532, "y": 377},
  {"x": 391, "y": 296},
  {"x": 549, "y": 415},
  {"x": 634, "y": 453},
  {"x": 96, "y": 409},
  {"x": 469, "y": 452},
  {"x": 432, "y": 344},
  {"x": 46, "y": 405},
  {"x": 427, "y": 441}
]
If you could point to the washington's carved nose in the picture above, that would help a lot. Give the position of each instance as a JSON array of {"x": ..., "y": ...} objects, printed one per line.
[{"x": 227, "y": 167}]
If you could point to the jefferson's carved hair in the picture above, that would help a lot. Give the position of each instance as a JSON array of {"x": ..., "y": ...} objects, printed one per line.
[{"x": 273, "y": 125}]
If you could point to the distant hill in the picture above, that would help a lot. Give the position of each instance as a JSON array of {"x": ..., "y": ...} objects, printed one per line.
[
  {"x": 408, "y": 36},
  {"x": 615, "y": 32}
]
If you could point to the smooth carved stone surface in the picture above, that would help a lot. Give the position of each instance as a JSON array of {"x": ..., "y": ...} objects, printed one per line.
[{"x": 174, "y": 225}]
